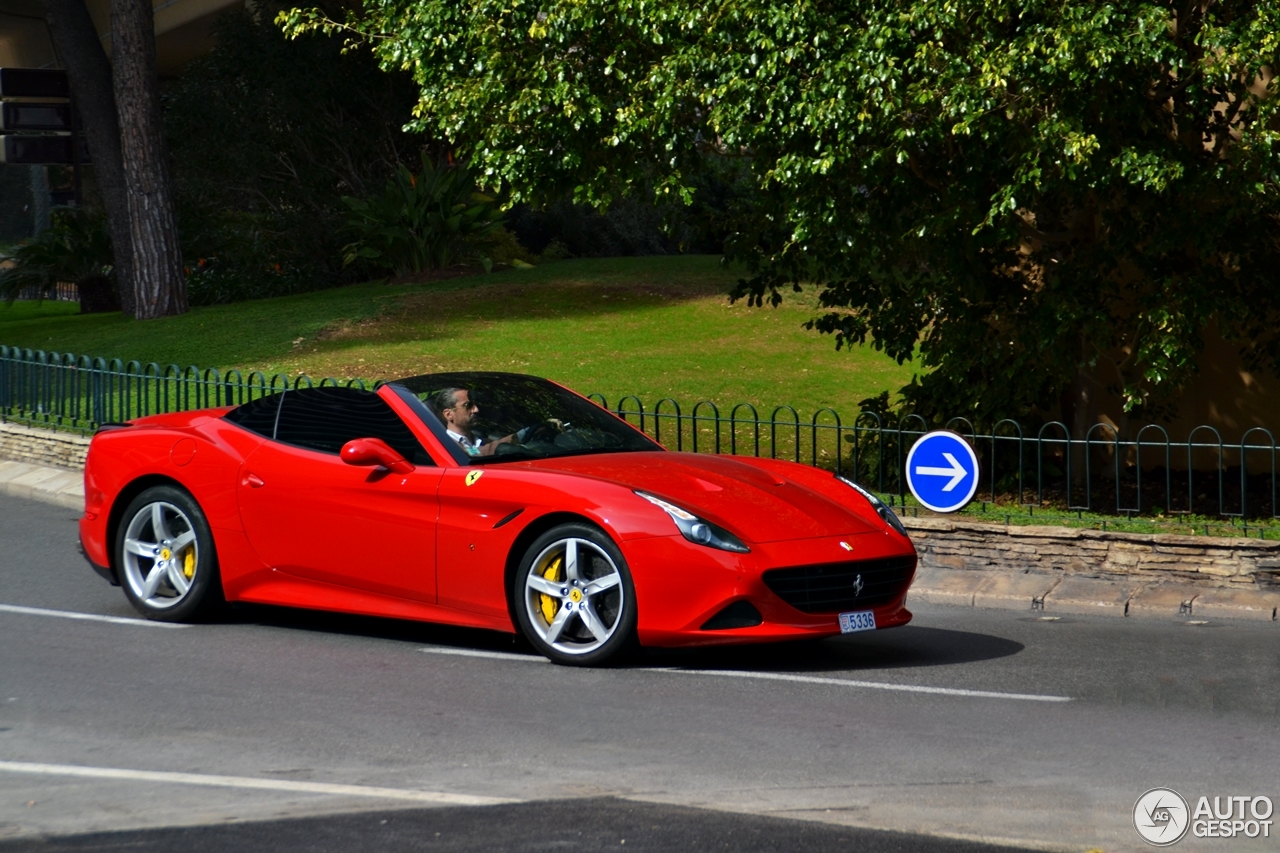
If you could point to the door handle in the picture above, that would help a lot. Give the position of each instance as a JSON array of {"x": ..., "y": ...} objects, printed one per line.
[{"x": 253, "y": 481}]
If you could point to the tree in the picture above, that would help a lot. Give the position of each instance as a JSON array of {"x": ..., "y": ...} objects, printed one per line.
[
  {"x": 89, "y": 72},
  {"x": 1018, "y": 194},
  {"x": 159, "y": 286}
]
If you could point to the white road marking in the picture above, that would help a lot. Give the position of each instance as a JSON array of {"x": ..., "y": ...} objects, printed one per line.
[
  {"x": 874, "y": 685},
  {"x": 91, "y": 617},
  {"x": 251, "y": 782},
  {"x": 476, "y": 653},
  {"x": 777, "y": 676}
]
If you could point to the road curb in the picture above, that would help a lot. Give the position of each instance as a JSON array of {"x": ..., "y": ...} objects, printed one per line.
[{"x": 58, "y": 486}]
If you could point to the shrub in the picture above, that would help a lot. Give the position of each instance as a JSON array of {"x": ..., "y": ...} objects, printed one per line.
[
  {"x": 421, "y": 221},
  {"x": 76, "y": 248}
]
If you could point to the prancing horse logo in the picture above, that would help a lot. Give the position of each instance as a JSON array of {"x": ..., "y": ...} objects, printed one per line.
[{"x": 857, "y": 586}]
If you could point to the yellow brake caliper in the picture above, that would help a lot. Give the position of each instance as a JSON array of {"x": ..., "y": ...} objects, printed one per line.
[
  {"x": 549, "y": 605},
  {"x": 189, "y": 562}
]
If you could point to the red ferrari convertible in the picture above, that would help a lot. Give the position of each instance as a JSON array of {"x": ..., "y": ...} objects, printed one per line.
[{"x": 489, "y": 500}]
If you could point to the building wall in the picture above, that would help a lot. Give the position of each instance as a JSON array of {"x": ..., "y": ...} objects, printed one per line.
[
  {"x": 1223, "y": 395},
  {"x": 184, "y": 28},
  {"x": 24, "y": 38},
  {"x": 1227, "y": 396}
]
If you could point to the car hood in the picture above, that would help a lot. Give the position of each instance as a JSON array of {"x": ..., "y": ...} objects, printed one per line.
[{"x": 757, "y": 505}]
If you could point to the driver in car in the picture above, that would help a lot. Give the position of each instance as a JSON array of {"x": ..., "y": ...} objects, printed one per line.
[{"x": 458, "y": 413}]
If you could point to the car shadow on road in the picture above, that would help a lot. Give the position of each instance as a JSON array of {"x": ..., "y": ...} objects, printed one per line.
[
  {"x": 902, "y": 648},
  {"x": 375, "y": 627}
]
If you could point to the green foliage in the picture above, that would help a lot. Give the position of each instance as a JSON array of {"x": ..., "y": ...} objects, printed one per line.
[
  {"x": 420, "y": 222},
  {"x": 267, "y": 134},
  {"x": 1017, "y": 192},
  {"x": 75, "y": 248},
  {"x": 502, "y": 249}
]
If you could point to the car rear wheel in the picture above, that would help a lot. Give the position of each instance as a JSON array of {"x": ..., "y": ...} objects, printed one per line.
[
  {"x": 165, "y": 557},
  {"x": 574, "y": 598}
]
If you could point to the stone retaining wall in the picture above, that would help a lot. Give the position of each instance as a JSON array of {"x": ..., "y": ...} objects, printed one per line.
[
  {"x": 1202, "y": 561},
  {"x": 43, "y": 446}
]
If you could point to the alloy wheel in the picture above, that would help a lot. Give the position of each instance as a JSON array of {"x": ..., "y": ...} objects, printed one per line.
[
  {"x": 574, "y": 596},
  {"x": 161, "y": 555}
]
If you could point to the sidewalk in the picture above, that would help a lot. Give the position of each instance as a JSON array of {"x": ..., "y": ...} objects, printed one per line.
[{"x": 38, "y": 483}]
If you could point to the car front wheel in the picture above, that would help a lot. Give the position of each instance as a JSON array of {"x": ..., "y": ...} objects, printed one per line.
[{"x": 574, "y": 598}]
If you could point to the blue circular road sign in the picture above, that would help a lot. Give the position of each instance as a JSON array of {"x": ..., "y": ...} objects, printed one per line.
[{"x": 942, "y": 471}]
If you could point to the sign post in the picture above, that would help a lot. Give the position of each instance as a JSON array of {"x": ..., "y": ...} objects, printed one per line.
[{"x": 942, "y": 471}]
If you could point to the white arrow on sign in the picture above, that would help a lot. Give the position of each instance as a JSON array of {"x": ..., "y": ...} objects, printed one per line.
[{"x": 956, "y": 472}]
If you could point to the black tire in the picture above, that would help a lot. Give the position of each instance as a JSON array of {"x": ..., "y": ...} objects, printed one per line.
[
  {"x": 194, "y": 561},
  {"x": 610, "y": 610}
]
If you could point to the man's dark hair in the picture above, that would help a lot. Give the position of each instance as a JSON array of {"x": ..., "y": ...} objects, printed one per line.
[{"x": 445, "y": 399}]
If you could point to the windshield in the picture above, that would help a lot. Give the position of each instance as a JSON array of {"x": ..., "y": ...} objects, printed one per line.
[{"x": 495, "y": 417}]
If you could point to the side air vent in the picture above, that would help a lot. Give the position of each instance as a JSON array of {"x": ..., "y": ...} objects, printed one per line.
[{"x": 740, "y": 614}]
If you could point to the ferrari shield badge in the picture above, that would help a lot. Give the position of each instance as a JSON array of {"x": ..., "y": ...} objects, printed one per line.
[{"x": 472, "y": 476}]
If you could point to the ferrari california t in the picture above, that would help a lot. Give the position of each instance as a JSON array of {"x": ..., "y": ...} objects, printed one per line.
[{"x": 489, "y": 500}]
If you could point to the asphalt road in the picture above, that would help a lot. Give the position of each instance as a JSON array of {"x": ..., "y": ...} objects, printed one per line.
[{"x": 281, "y": 730}]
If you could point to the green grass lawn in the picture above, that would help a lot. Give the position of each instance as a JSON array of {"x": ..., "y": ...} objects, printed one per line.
[{"x": 653, "y": 327}]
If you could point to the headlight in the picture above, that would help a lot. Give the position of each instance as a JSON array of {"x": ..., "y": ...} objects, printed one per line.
[
  {"x": 699, "y": 530},
  {"x": 882, "y": 509}
]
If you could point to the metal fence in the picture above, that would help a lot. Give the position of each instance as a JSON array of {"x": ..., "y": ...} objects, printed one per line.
[
  {"x": 1099, "y": 472},
  {"x": 79, "y": 393},
  {"x": 62, "y": 291}
]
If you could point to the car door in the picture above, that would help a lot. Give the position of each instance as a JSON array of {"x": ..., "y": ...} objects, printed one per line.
[
  {"x": 477, "y": 506},
  {"x": 309, "y": 514}
]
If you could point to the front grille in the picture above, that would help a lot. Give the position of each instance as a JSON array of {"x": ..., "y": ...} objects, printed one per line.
[{"x": 830, "y": 587}]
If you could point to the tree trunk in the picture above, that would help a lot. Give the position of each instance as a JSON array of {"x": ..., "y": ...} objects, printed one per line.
[
  {"x": 80, "y": 51},
  {"x": 160, "y": 288}
]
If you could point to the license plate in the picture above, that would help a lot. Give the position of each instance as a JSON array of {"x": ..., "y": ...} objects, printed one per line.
[{"x": 859, "y": 620}]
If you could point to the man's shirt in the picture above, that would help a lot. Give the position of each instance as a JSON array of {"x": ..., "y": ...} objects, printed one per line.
[{"x": 468, "y": 444}]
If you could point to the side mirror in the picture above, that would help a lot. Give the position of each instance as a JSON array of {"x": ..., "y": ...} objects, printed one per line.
[{"x": 374, "y": 451}]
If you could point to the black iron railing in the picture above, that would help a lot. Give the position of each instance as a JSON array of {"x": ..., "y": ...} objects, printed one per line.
[
  {"x": 65, "y": 391},
  {"x": 1099, "y": 472},
  {"x": 60, "y": 291}
]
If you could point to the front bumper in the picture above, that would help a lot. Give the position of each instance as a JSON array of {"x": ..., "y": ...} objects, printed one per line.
[{"x": 680, "y": 586}]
